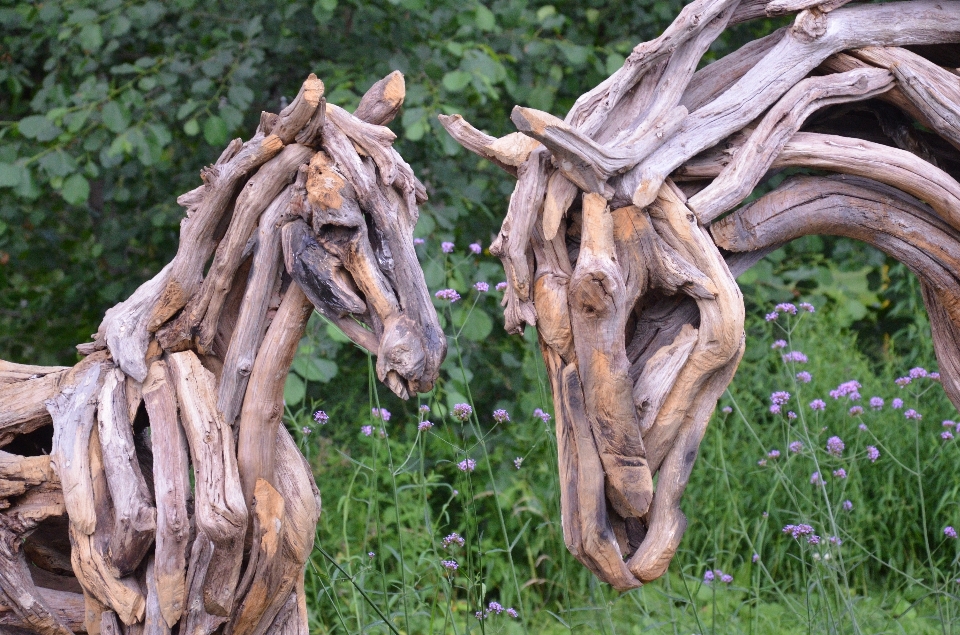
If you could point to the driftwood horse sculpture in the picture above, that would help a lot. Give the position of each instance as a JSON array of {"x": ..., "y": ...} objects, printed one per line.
[{"x": 615, "y": 247}]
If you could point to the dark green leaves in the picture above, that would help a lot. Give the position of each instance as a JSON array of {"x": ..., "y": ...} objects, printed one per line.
[{"x": 38, "y": 127}]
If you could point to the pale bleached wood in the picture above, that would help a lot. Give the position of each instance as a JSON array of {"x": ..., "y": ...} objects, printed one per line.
[
  {"x": 171, "y": 479},
  {"x": 375, "y": 141},
  {"x": 659, "y": 375},
  {"x": 24, "y": 391},
  {"x": 382, "y": 101},
  {"x": 262, "y": 409},
  {"x": 599, "y": 309},
  {"x": 753, "y": 158},
  {"x": 154, "y": 622},
  {"x": 263, "y": 282},
  {"x": 481, "y": 143},
  {"x": 221, "y": 514},
  {"x": 296, "y": 115},
  {"x": 560, "y": 195},
  {"x": 67, "y": 607},
  {"x": 890, "y": 24},
  {"x": 18, "y": 474},
  {"x": 196, "y": 620},
  {"x": 135, "y": 517}
]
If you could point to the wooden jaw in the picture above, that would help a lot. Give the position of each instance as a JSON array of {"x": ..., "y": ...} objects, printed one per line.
[{"x": 639, "y": 315}]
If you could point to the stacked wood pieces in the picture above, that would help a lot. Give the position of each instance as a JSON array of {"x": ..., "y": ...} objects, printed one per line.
[
  {"x": 152, "y": 488},
  {"x": 616, "y": 247}
]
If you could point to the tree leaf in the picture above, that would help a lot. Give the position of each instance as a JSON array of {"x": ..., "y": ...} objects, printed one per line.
[
  {"x": 485, "y": 19},
  {"x": 9, "y": 174},
  {"x": 215, "y": 131},
  {"x": 91, "y": 38},
  {"x": 114, "y": 117},
  {"x": 478, "y": 326},
  {"x": 76, "y": 189},
  {"x": 191, "y": 127},
  {"x": 455, "y": 81},
  {"x": 294, "y": 390},
  {"x": 38, "y": 127}
]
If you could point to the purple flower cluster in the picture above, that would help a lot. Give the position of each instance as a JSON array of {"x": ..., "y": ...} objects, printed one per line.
[
  {"x": 306, "y": 430},
  {"x": 840, "y": 473},
  {"x": 835, "y": 446},
  {"x": 452, "y": 539},
  {"x": 806, "y": 306},
  {"x": 366, "y": 430},
  {"x": 913, "y": 414},
  {"x": 381, "y": 413},
  {"x": 778, "y": 345},
  {"x": 447, "y": 294},
  {"x": 717, "y": 574},
  {"x": 475, "y": 248},
  {"x": 786, "y": 307},
  {"x": 462, "y": 411},
  {"x": 847, "y": 389},
  {"x": 796, "y": 447},
  {"x": 902, "y": 381},
  {"x": 495, "y": 608},
  {"x": 321, "y": 417},
  {"x": 804, "y": 377},
  {"x": 450, "y": 565},
  {"x": 946, "y": 435},
  {"x": 540, "y": 414},
  {"x": 796, "y": 531},
  {"x": 779, "y": 398},
  {"x": 896, "y": 404},
  {"x": 482, "y": 287},
  {"x": 949, "y": 532},
  {"x": 447, "y": 247},
  {"x": 424, "y": 408},
  {"x": 847, "y": 505},
  {"x": 816, "y": 479},
  {"x": 876, "y": 403},
  {"x": 424, "y": 425},
  {"x": 726, "y": 410},
  {"x": 818, "y": 404},
  {"x": 873, "y": 453},
  {"x": 501, "y": 416},
  {"x": 467, "y": 465},
  {"x": 517, "y": 462},
  {"x": 773, "y": 454},
  {"x": 795, "y": 356},
  {"x": 856, "y": 411},
  {"x": 501, "y": 286}
]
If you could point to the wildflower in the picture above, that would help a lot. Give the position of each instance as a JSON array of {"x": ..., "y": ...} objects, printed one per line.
[
  {"x": 786, "y": 307},
  {"x": 775, "y": 409},
  {"x": 512, "y": 612},
  {"x": 817, "y": 404},
  {"x": 726, "y": 578},
  {"x": 847, "y": 389},
  {"x": 762, "y": 463},
  {"x": 804, "y": 377},
  {"x": 796, "y": 447},
  {"x": 501, "y": 286},
  {"x": 806, "y": 306},
  {"x": 876, "y": 403},
  {"x": 447, "y": 294},
  {"x": 467, "y": 465},
  {"x": 873, "y": 453},
  {"x": 424, "y": 408},
  {"x": 708, "y": 577},
  {"x": 446, "y": 247},
  {"x": 862, "y": 427},
  {"x": 450, "y": 565},
  {"x": 816, "y": 479},
  {"x": 835, "y": 446},
  {"x": 383, "y": 433},
  {"x": 796, "y": 531},
  {"x": 779, "y": 344},
  {"x": 462, "y": 411},
  {"x": 912, "y": 414},
  {"x": 482, "y": 287},
  {"x": 424, "y": 425},
  {"x": 780, "y": 397},
  {"x": 791, "y": 414},
  {"x": 896, "y": 404},
  {"x": 949, "y": 424},
  {"x": 765, "y": 514},
  {"x": 475, "y": 248},
  {"x": 856, "y": 411},
  {"x": 770, "y": 317},
  {"x": 835, "y": 541},
  {"x": 306, "y": 430},
  {"x": 917, "y": 373},
  {"x": 366, "y": 430},
  {"x": 321, "y": 417},
  {"x": 495, "y": 607},
  {"x": 814, "y": 539},
  {"x": 455, "y": 492},
  {"x": 540, "y": 414},
  {"x": 946, "y": 435},
  {"x": 381, "y": 413},
  {"x": 796, "y": 357},
  {"x": 949, "y": 532},
  {"x": 934, "y": 376},
  {"x": 517, "y": 462},
  {"x": 773, "y": 454},
  {"x": 841, "y": 473},
  {"x": 501, "y": 416},
  {"x": 756, "y": 557},
  {"x": 418, "y": 241},
  {"x": 371, "y": 554},
  {"x": 480, "y": 615},
  {"x": 847, "y": 505},
  {"x": 726, "y": 410},
  {"x": 452, "y": 539},
  {"x": 902, "y": 381}
]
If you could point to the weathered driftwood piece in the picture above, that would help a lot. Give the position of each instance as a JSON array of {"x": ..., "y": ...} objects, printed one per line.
[
  {"x": 381, "y": 103},
  {"x": 24, "y": 391}
]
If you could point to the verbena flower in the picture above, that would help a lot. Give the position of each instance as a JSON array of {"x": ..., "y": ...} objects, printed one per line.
[
  {"x": 934, "y": 376},
  {"x": 847, "y": 505},
  {"x": 947, "y": 423},
  {"x": 912, "y": 414},
  {"x": 321, "y": 417},
  {"x": 501, "y": 286},
  {"x": 446, "y": 247},
  {"x": 779, "y": 344},
  {"x": 517, "y": 462},
  {"x": 814, "y": 540},
  {"x": 791, "y": 414},
  {"x": 424, "y": 408},
  {"x": 495, "y": 607},
  {"x": 775, "y": 409},
  {"x": 756, "y": 557},
  {"x": 876, "y": 403},
  {"x": 847, "y": 389},
  {"x": 762, "y": 462},
  {"x": 467, "y": 465},
  {"x": 896, "y": 404},
  {"x": 449, "y": 295},
  {"x": 946, "y": 435},
  {"x": 381, "y": 413},
  {"x": 475, "y": 248},
  {"x": 726, "y": 578},
  {"x": 835, "y": 446},
  {"x": 796, "y": 357},
  {"x": 512, "y": 612},
  {"x": 806, "y": 306},
  {"x": 835, "y": 541},
  {"x": 796, "y": 447},
  {"x": 453, "y": 539},
  {"x": 804, "y": 377},
  {"x": 708, "y": 577},
  {"x": 873, "y": 453},
  {"x": 796, "y": 531},
  {"x": 780, "y": 397},
  {"x": 482, "y": 287},
  {"x": 918, "y": 372},
  {"x": 840, "y": 473},
  {"x": 450, "y": 565},
  {"x": 856, "y": 410},
  {"x": 773, "y": 454},
  {"x": 862, "y": 427},
  {"x": 540, "y": 414},
  {"x": 480, "y": 615},
  {"x": 371, "y": 554},
  {"x": 366, "y": 430},
  {"x": 462, "y": 411},
  {"x": 816, "y": 479},
  {"x": 770, "y": 317},
  {"x": 786, "y": 307},
  {"x": 902, "y": 381},
  {"x": 424, "y": 425},
  {"x": 418, "y": 241},
  {"x": 306, "y": 430},
  {"x": 726, "y": 410},
  {"x": 501, "y": 416},
  {"x": 818, "y": 404},
  {"x": 949, "y": 532}
]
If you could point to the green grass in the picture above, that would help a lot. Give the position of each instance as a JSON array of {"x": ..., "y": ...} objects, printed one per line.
[{"x": 397, "y": 496}]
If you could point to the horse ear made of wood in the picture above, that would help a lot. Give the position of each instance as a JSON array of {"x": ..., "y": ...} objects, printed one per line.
[{"x": 614, "y": 246}]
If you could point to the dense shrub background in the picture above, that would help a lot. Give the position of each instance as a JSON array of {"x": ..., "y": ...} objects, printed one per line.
[{"x": 108, "y": 110}]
